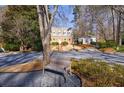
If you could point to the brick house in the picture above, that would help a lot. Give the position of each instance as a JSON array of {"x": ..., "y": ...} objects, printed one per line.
[{"x": 61, "y": 35}]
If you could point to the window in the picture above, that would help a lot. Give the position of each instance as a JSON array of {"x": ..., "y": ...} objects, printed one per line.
[
  {"x": 64, "y": 33},
  {"x": 58, "y": 33},
  {"x": 68, "y": 32}
]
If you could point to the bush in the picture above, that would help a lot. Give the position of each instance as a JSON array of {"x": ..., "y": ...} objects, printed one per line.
[
  {"x": 101, "y": 45},
  {"x": 64, "y": 43},
  {"x": 55, "y": 43},
  {"x": 119, "y": 70},
  {"x": 12, "y": 47},
  {"x": 99, "y": 73},
  {"x": 107, "y": 44},
  {"x": 120, "y": 49},
  {"x": 111, "y": 43},
  {"x": 93, "y": 43},
  {"x": 37, "y": 46}
]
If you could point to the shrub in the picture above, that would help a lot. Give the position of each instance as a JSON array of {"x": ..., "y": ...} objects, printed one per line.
[
  {"x": 119, "y": 70},
  {"x": 101, "y": 44},
  {"x": 64, "y": 43},
  {"x": 12, "y": 47},
  {"x": 120, "y": 49},
  {"x": 111, "y": 43},
  {"x": 93, "y": 43},
  {"x": 37, "y": 46},
  {"x": 99, "y": 73},
  {"x": 107, "y": 44},
  {"x": 55, "y": 43}
]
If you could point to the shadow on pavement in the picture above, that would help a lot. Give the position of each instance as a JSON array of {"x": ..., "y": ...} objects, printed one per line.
[
  {"x": 30, "y": 79},
  {"x": 17, "y": 59}
]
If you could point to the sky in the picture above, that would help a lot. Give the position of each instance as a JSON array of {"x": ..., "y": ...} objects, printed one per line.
[{"x": 66, "y": 11}]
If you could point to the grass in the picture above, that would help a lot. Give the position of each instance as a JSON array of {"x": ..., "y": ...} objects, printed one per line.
[
  {"x": 24, "y": 67},
  {"x": 97, "y": 73}
]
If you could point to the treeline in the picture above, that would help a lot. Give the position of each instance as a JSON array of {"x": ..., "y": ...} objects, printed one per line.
[
  {"x": 20, "y": 28},
  {"x": 106, "y": 22}
]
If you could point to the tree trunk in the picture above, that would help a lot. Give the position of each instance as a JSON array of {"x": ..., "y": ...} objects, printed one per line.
[
  {"x": 41, "y": 10},
  {"x": 46, "y": 51},
  {"x": 22, "y": 46},
  {"x": 118, "y": 29},
  {"x": 113, "y": 21},
  {"x": 45, "y": 24}
]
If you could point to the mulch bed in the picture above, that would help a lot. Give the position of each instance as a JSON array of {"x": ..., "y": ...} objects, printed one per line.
[
  {"x": 24, "y": 67},
  {"x": 108, "y": 50}
]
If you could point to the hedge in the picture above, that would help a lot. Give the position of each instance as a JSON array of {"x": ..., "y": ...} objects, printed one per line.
[
  {"x": 55, "y": 43},
  {"x": 64, "y": 43}
]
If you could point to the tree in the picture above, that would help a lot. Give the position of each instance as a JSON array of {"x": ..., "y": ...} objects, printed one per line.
[
  {"x": 119, "y": 11},
  {"x": 20, "y": 27},
  {"x": 84, "y": 20},
  {"x": 106, "y": 21},
  {"x": 45, "y": 23},
  {"x": 113, "y": 22},
  {"x": 2, "y": 12},
  {"x": 81, "y": 20}
]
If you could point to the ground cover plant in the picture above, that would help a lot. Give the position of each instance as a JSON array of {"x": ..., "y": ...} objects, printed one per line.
[{"x": 97, "y": 73}]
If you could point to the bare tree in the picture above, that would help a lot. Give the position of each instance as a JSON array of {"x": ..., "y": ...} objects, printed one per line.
[
  {"x": 119, "y": 10},
  {"x": 45, "y": 23},
  {"x": 113, "y": 22}
]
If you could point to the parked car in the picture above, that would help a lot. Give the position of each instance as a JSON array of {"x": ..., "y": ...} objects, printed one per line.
[{"x": 2, "y": 50}]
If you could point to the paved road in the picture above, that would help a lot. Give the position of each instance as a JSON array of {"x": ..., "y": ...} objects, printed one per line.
[
  {"x": 12, "y": 59},
  {"x": 59, "y": 57},
  {"x": 110, "y": 58}
]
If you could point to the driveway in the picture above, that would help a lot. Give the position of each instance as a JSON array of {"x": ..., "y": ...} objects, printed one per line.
[
  {"x": 38, "y": 79},
  {"x": 54, "y": 76}
]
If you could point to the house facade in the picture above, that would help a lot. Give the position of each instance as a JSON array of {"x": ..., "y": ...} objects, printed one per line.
[
  {"x": 87, "y": 39},
  {"x": 61, "y": 35}
]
